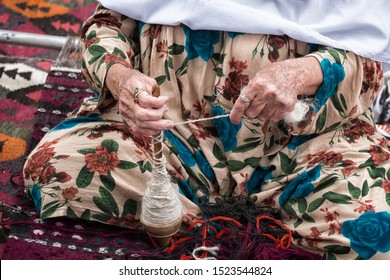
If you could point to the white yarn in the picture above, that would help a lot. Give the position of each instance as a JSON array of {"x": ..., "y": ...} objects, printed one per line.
[
  {"x": 212, "y": 250},
  {"x": 203, "y": 119},
  {"x": 299, "y": 112},
  {"x": 160, "y": 204},
  {"x": 295, "y": 116}
]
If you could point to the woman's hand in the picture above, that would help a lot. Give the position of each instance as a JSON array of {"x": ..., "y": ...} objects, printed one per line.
[
  {"x": 272, "y": 93},
  {"x": 145, "y": 115}
]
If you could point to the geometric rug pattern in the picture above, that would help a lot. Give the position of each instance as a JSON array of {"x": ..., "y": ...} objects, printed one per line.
[
  {"x": 52, "y": 17},
  {"x": 23, "y": 74},
  {"x": 21, "y": 82}
]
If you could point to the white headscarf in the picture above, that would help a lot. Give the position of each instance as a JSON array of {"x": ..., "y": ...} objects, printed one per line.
[{"x": 361, "y": 26}]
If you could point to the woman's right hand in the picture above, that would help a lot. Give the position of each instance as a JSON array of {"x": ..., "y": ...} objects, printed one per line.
[{"x": 146, "y": 115}]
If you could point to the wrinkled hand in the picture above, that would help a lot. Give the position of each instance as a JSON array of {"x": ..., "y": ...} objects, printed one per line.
[
  {"x": 146, "y": 115},
  {"x": 274, "y": 89}
]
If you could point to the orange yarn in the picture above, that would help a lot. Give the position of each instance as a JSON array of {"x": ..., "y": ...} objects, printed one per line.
[{"x": 281, "y": 242}]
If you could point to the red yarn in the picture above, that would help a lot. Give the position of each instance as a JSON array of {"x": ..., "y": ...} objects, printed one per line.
[{"x": 283, "y": 241}]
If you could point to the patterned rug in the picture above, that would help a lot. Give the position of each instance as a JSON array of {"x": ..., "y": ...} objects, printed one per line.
[
  {"x": 21, "y": 81},
  {"x": 52, "y": 17}
]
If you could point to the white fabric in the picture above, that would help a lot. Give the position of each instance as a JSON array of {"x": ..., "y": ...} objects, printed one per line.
[{"x": 362, "y": 26}]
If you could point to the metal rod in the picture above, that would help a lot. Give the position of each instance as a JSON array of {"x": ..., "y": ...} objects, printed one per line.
[{"x": 31, "y": 39}]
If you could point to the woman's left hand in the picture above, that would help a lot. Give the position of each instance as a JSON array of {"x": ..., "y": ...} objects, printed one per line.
[{"x": 272, "y": 93}]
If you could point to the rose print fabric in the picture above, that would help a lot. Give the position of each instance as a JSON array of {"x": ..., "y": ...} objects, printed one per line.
[{"x": 328, "y": 175}]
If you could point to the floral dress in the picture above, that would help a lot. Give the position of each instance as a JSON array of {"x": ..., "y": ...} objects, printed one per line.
[{"x": 328, "y": 175}]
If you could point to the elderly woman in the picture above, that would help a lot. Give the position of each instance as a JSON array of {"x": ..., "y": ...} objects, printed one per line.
[{"x": 326, "y": 172}]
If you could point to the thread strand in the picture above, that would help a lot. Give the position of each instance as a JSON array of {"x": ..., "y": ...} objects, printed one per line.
[
  {"x": 203, "y": 119},
  {"x": 295, "y": 116}
]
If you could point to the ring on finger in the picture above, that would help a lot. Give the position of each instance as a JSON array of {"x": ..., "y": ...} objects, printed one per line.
[
  {"x": 244, "y": 98},
  {"x": 137, "y": 92}
]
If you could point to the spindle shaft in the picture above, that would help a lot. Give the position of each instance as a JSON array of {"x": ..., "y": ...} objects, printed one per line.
[{"x": 161, "y": 213}]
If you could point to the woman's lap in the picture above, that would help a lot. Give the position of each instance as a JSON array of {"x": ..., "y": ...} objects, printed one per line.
[
  {"x": 78, "y": 173},
  {"x": 95, "y": 178}
]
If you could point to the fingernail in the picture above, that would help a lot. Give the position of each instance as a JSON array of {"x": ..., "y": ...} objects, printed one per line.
[
  {"x": 164, "y": 97},
  {"x": 169, "y": 125}
]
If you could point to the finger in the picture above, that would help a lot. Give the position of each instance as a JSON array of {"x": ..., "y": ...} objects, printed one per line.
[
  {"x": 239, "y": 109},
  {"x": 138, "y": 84},
  {"x": 157, "y": 125},
  {"x": 278, "y": 115},
  {"x": 143, "y": 99},
  {"x": 139, "y": 117},
  {"x": 139, "y": 95},
  {"x": 154, "y": 102},
  {"x": 143, "y": 114},
  {"x": 255, "y": 109},
  {"x": 152, "y": 87},
  {"x": 267, "y": 113},
  {"x": 262, "y": 112},
  {"x": 282, "y": 109},
  {"x": 149, "y": 128},
  {"x": 147, "y": 100}
]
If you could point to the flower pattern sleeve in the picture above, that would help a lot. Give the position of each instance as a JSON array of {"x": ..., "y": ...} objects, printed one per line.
[
  {"x": 349, "y": 87},
  {"x": 107, "y": 40}
]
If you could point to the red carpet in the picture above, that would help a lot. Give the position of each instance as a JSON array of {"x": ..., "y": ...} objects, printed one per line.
[{"x": 56, "y": 17}]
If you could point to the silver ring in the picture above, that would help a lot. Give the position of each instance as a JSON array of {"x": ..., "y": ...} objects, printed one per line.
[{"x": 244, "y": 98}]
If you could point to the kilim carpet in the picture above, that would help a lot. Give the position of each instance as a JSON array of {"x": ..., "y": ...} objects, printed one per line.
[
  {"x": 21, "y": 81},
  {"x": 34, "y": 97},
  {"x": 52, "y": 17}
]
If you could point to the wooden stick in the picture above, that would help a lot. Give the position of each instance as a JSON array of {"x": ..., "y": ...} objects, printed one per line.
[
  {"x": 161, "y": 234},
  {"x": 157, "y": 146}
]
